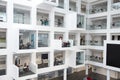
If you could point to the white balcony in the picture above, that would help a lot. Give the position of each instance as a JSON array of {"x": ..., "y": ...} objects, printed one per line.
[
  {"x": 75, "y": 21},
  {"x": 46, "y": 3},
  {"x": 23, "y": 2},
  {"x": 76, "y": 58},
  {"x": 20, "y": 71}
]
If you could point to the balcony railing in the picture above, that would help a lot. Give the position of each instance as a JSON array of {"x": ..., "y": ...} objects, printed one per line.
[
  {"x": 20, "y": 71},
  {"x": 95, "y": 43},
  {"x": 92, "y": 43},
  {"x": 59, "y": 23},
  {"x": 115, "y": 24},
  {"x": 94, "y": 58},
  {"x": 80, "y": 25},
  {"x": 97, "y": 27},
  {"x": 43, "y": 22},
  {"x": 99, "y": 10},
  {"x": 51, "y": 1}
]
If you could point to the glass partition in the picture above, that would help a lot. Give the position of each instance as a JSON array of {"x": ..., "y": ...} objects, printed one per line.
[
  {"x": 21, "y": 16},
  {"x": 27, "y": 39},
  {"x": 80, "y": 21},
  {"x": 43, "y": 39},
  {"x": 80, "y": 58},
  {"x": 3, "y": 15}
]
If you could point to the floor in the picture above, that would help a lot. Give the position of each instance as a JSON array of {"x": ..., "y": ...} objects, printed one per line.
[
  {"x": 80, "y": 75},
  {"x": 25, "y": 73},
  {"x": 43, "y": 65},
  {"x": 2, "y": 72}
]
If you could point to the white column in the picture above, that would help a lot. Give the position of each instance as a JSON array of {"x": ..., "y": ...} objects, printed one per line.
[
  {"x": 37, "y": 39},
  {"x": 66, "y": 4},
  {"x": 78, "y": 5},
  {"x": 65, "y": 74},
  {"x": 9, "y": 38},
  {"x": 51, "y": 57},
  {"x": 78, "y": 39},
  {"x": 51, "y": 37},
  {"x": 9, "y": 12},
  {"x": 87, "y": 7},
  {"x": 86, "y": 72},
  {"x": 33, "y": 16},
  {"x": 108, "y": 36},
  {"x": 108, "y": 14},
  {"x": 66, "y": 36},
  {"x": 87, "y": 38},
  {"x": 52, "y": 18},
  {"x": 108, "y": 74},
  {"x": 9, "y": 63},
  {"x": 33, "y": 57}
]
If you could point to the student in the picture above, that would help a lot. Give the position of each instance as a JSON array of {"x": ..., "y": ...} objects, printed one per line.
[
  {"x": 26, "y": 67},
  {"x": 42, "y": 21},
  {"x": 46, "y": 22}
]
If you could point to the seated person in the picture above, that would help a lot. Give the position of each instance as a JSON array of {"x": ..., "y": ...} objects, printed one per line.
[
  {"x": 26, "y": 67},
  {"x": 28, "y": 45}
]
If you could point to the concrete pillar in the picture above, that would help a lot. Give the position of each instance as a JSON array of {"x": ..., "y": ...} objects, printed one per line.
[
  {"x": 33, "y": 57},
  {"x": 37, "y": 39},
  {"x": 52, "y": 18},
  {"x": 9, "y": 12},
  {"x": 66, "y": 5},
  {"x": 9, "y": 63},
  {"x": 9, "y": 59},
  {"x": 108, "y": 36},
  {"x": 87, "y": 7},
  {"x": 33, "y": 16},
  {"x": 87, "y": 38},
  {"x": 108, "y": 74},
  {"x": 51, "y": 58},
  {"x": 86, "y": 72},
  {"x": 66, "y": 36},
  {"x": 78, "y": 39},
  {"x": 78, "y": 5},
  {"x": 65, "y": 74},
  {"x": 108, "y": 14}
]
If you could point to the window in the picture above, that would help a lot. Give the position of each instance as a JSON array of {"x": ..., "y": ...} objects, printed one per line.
[
  {"x": 79, "y": 58},
  {"x": 43, "y": 40}
]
